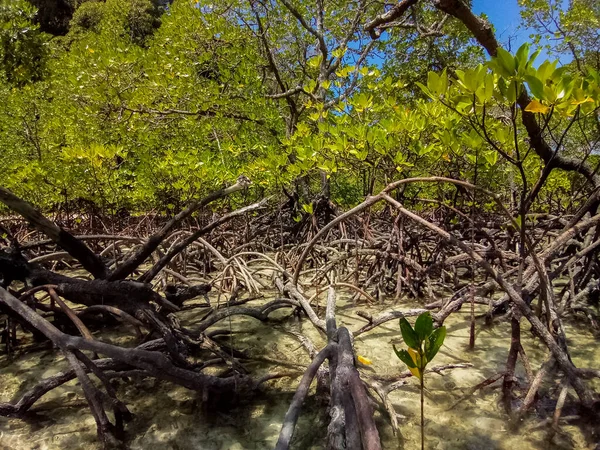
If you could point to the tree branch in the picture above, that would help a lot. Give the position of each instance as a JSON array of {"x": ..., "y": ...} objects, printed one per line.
[
  {"x": 483, "y": 32},
  {"x": 134, "y": 261},
  {"x": 398, "y": 10},
  {"x": 150, "y": 274},
  {"x": 77, "y": 249}
]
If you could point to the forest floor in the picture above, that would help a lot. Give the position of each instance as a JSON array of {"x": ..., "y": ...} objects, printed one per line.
[{"x": 170, "y": 416}]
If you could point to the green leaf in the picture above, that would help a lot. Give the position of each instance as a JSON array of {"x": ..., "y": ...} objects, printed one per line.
[
  {"x": 488, "y": 87},
  {"x": 425, "y": 89},
  {"x": 507, "y": 61},
  {"x": 314, "y": 62},
  {"x": 443, "y": 82},
  {"x": 535, "y": 86},
  {"x": 502, "y": 88},
  {"x": 424, "y": 326},
  {"x": 344, "y": 72},
  {"x": 433, "y": 82},
  {"x": 362, "y": 101},
  {"x": 533, "y": 57},
  {"x": 408, "y": 334},
  {"x": 522, "y": 54},
  {"x": 308, "y": 207},
  {"x": 460, "y": 74},
  {"x": 546, "y": 69},
  {"x": 435, "y": 342},
  {"x": 404, "y": 356},
  {"x": 511, "y": 93},
  {"x": 339, "y": 52},
  {"x": 519, "y": 221},
  {"x": 491, "y": 157}
]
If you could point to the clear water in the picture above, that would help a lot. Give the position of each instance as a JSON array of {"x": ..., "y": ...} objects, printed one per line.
[{"x": 171, "y": 417}]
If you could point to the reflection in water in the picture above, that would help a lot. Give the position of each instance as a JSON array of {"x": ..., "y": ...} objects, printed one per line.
[{"x": 171, "y": 417}]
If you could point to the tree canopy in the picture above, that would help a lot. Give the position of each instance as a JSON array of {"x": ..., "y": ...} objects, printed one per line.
[{"x": 145, "y": 104}]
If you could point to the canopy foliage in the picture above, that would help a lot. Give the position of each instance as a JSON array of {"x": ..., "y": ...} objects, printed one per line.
[{"x": 146, "y": 104}]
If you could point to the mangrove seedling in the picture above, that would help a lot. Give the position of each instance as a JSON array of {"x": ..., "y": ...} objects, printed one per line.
[{"x": 423, "y": 344}]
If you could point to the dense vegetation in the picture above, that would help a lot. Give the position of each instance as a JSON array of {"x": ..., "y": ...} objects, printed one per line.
[
  {"x": 396, "y": 149},
  {"x": 141, "y": 105}
]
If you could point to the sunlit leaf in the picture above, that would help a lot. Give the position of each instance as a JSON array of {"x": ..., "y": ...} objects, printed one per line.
[
  {"x": 507, "y": 61},
  {"x": 419, "y": 363},
  {"x": 582, "y": 101},
  {"x": 536, "y": 107},
  {"x": 363, "y": 360},
  {"x": 535, "y": 86}
]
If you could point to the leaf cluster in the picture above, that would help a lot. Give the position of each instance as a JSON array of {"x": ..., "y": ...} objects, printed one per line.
[{"x": 423, "y": 343}]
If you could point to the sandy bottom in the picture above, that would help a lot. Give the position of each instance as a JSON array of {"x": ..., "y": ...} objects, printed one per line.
[{"x": 171, "y": 417}]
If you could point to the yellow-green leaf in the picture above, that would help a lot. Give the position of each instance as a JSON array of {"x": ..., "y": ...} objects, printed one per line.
[
  {"x": 416, "y": 371},
  {"x": 363, "y": 360},
  {"x": 580, "y": 101},
  {"x": 536, "y": 107}
]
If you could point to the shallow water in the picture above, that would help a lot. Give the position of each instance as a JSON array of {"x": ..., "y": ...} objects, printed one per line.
[{"x": 171, "y": 417}]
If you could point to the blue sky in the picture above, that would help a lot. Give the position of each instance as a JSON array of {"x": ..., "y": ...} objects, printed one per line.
[{"x": 505, "y": 16}]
